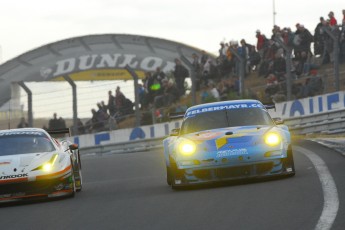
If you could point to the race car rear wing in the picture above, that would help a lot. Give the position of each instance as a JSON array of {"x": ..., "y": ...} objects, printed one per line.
[
  {"x": 175, "y": 116},
  {"x": 59, "y": 133},
  {"x": 271, "y": 106}
]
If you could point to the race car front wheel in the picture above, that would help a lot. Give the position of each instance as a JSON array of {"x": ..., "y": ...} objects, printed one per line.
[
  {"x": 173, "y": 174},
  {"x": 289, "y": 163},
  {"x": 168, "y": 175}
]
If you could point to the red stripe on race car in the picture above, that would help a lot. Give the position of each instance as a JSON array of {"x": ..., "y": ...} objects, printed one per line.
[
  {"x": 63, "y": 191},
  {"x": 13, "y": 180},
  {"x": 54, "y": 174}
]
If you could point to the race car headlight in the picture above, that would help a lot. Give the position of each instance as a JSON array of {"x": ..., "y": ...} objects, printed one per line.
[
  {"x": 48, "y": 166},
  {"x": 187, "y": 147},
  {"x": 272, "y": 139}
]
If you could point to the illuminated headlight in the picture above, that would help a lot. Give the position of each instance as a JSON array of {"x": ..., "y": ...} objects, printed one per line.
[
  {"x": 49, "y": 165},
  {"x": 272, "y": 139},
  {"x": 187, "y": 147}
]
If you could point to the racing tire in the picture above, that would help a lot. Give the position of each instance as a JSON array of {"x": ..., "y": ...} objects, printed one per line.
[
  {"x": 79, "y": 161},
  {"x": 168, "y": 175},
  {"x": 79, "y": 182},
  {"x": 78, "y": 178},
  {"x": 289, "y": 163},
  {"x": 74, "y": 189},
  {"x": 173, "y": 171}
]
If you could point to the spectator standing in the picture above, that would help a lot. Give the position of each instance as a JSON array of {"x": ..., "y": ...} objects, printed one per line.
[
  {"x": 148, "y": 85},
  {"x": 104, "y": 107},
  {"x": 142, "y": 96},
  {"x": 61, "y": 123},
  {"x": 170, "y": 95},
  {"x": 96, "y": 122},
  {"x": 22, "y": 123},
  {"x": 111, "y": 103},
  {"x": 204, "y": 57},
  {"x": 319, "y": 37},
  {"x": 197, "y": 70},
  {"x": 171, "y": 92},
  {"x": 81, "y": 127},
  {"x": 53, "y": 123},
  {"x": 332, "y": 20},
  {"x": 205, "y": 94},
  {"x": 180, "y": 74},
  {"x": 306, "y": 38},
  {"x": 119, "y": 99},
  {"x": 159, "y": 75},
  {"x": 342, "y": 39},
  {"x": 213, "y": 91},
  {"x": 260, "y": 44},
  {"x": 245, "y": 55}
]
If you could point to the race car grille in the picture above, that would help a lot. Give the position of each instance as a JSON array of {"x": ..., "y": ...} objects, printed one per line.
[
  {"x": 27, "y": 187},
  {"x": 202, "y": 174},
  {"x": 234, "y": 172}
]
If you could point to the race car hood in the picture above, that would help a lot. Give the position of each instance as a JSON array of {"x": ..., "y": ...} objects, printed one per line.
[
  {"x": 23, "y": 163},
  {"x": 233, "y": 137}
]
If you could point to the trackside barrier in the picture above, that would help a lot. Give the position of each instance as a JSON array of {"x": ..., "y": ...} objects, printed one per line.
[
  {"x": 323, "y": 114},
  {"x": 124, "y": 147},
  {"x": 331, "y": 122}
]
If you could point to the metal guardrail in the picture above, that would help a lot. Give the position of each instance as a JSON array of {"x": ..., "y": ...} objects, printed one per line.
[
  {"x": 331, "y": 122},
  {"x": 124, "y": 147}
]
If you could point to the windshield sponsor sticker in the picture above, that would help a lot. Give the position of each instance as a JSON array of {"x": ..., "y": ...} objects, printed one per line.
[
  {"x": 224, "y": 107},
  {"x": 232, "y": 152}
]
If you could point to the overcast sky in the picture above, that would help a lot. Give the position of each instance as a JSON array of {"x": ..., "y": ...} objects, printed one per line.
[{"x": 26, "y": 25}]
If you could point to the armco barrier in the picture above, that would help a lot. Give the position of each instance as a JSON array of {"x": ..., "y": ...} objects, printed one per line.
[
  {"x": 320, "y": 114},
  {"x": 124, "y": 147},
  {"x": 326, "y": 123},
  {"x": 331, "y": 122}
]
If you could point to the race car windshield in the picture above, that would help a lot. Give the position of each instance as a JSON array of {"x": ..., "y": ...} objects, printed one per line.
[
  {"x": 226, "y": 118},
  {"x": 22, "y": 144}
]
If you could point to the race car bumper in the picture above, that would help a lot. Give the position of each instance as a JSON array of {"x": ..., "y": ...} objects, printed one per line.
[
  {"x": 209, "y": 174},
  {"x": 43, "y": 188}
]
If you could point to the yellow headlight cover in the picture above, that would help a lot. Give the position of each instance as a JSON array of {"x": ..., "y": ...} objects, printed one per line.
[
  {"x": 48, "y": 166},
  {"x": 272, "y": 139},
  {"x": 187, "y": 147}
]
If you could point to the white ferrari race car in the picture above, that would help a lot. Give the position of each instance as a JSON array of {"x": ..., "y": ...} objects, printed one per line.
[{"x": 33, "y": 164}]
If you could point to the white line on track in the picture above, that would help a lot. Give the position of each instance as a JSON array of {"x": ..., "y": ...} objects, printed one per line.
[{"x": 330, "y": 193}]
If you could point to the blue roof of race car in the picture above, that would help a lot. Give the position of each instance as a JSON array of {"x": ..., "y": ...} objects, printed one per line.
[{"x": 223, "y": 105}]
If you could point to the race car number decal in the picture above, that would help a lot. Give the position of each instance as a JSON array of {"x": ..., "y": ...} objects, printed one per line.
[{"x": 232, "y": 152}]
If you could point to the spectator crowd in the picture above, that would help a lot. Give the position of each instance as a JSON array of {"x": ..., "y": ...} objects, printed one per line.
[{"x": 217, "y": 78}]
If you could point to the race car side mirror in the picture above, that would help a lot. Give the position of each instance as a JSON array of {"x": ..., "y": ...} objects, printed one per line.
[
  {"x": 175, "y": 132},
  {"x": 278, "y": 121},
  {"x": 73, "y": 146}
]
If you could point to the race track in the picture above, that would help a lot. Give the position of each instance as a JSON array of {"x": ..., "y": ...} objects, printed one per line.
[{"x": 129, "y": 191}]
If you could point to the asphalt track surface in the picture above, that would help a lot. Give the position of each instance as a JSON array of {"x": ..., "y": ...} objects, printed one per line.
[{"x": 129, "y": 191}]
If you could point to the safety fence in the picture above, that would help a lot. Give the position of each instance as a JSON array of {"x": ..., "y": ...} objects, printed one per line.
[{"x": 332, "y": 122}]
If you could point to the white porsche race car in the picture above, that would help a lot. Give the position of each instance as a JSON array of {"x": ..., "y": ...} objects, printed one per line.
[{"x": 33, "y": 164}]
